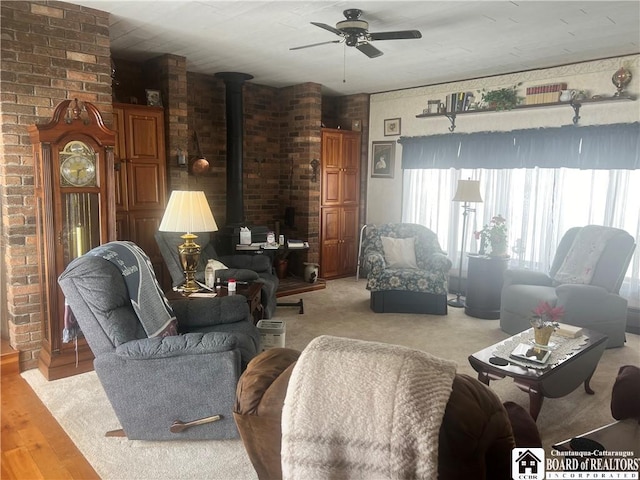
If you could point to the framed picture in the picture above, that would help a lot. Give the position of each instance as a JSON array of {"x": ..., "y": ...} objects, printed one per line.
[
  {"x": 391, "y": 127},
  {"x": 382, "y": 159},
  {"x": 153, "y": 98}
]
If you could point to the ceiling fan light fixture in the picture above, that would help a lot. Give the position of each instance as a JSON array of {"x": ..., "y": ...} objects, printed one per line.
[{"x": 353, "y": 26}]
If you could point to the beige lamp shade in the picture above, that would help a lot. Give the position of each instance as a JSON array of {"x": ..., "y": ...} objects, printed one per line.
[
  {"x": 188, "y": 212},
  {"x": 468, "y": 191}
]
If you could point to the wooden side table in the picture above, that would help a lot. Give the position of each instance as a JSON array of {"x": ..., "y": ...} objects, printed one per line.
[
  {"x": 252, "y": 291},
  {"x": 484, "y": 286}
]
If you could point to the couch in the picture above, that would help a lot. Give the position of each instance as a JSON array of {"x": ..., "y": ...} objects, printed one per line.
[
  {"x": 248, "y": 268},
  {"x": 407, "y": 271},
  {"x": 476, "y": 435},
  {"x": 595, "y": 305},
  {"x": 159, "y": 362}
]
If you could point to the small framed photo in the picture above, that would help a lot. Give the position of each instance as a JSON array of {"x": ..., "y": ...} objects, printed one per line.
[
  {"x": 153, "y": 98},
  {"x": 391, "y": 127},
  {"x": 382, "y": 159}
]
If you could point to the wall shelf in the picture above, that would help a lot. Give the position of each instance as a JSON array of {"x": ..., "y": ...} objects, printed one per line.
[{"x": 575, "y": 105}]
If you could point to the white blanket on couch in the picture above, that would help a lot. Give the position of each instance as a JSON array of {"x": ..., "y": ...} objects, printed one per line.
[
  {"x": 366, "y": 410},
  {"x": 583, "y": 256}
]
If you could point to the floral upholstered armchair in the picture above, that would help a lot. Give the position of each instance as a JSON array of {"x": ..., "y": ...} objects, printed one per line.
[{"x": 407, "y": 271}]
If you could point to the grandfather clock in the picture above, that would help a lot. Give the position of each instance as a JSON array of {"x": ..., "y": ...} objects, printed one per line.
[{"x": 75, "y": 208}]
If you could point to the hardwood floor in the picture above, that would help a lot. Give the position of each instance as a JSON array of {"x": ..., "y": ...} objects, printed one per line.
[{"x": 34, "y": 446}]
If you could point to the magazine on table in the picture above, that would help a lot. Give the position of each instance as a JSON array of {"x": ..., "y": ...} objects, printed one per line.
[{"x": 531, "y": 353}]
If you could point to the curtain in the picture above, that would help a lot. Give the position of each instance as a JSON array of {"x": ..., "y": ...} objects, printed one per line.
[
  {"x": 540, "y": 205},
  {"x": 594, "y": 147}
]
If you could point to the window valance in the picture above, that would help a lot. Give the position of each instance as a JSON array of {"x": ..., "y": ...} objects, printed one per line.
[{"x": 615, "y": 146}]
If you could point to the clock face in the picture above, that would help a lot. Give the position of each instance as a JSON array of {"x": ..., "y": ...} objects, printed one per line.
[{"x": 78, "y": 165}]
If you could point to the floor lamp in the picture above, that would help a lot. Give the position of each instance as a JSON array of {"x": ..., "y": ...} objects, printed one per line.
[{"x": 468, "y": 192}]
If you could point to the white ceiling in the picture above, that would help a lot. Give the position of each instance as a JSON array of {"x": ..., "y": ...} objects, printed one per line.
[{"x": 460, "y": 39}]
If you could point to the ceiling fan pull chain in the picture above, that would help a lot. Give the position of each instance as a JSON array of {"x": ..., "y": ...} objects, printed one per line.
[{"x": 344, "y": 64}]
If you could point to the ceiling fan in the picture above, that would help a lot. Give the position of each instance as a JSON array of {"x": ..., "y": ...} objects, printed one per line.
[{"x": 355, "y": 33}]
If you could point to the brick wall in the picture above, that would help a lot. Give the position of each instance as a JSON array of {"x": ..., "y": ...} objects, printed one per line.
[{"x": 51, "y": 51}]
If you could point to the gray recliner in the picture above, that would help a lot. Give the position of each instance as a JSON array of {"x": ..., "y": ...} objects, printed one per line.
[
  {"x": 152, "y": 382},
  {"x": 247, "y": 268},
  {"x": 595, "y": 306}
]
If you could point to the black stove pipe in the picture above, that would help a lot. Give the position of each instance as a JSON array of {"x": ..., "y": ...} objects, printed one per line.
[{"x": 235, "y": 134}]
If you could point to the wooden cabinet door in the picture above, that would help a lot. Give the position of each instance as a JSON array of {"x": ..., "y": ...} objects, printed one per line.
[
  {"x": 349, "y": 241},
  {"x": 120, "y": 170},
  {"x": 350, "y": 168},
  {"x": 331, "y": 168},
  {"x": 146, "y": 185},
  {"x": 142, "y": 184},
  {"x": 145, "y": 161},
  {"x": 340, "y": 196},
  {"x": 330, "y": 228}
]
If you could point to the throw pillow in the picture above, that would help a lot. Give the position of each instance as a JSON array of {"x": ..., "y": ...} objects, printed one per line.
[{"x": 399, "y": 252}]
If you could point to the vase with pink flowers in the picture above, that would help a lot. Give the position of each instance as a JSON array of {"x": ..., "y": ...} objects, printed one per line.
[{"x": 545, "y": 322}]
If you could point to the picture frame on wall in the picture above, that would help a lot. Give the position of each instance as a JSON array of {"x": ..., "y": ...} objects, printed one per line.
[
  {"x": 391, "y": 127},
  {"x": 382, "y": 159},
  {"x": 154, "y": 99}
]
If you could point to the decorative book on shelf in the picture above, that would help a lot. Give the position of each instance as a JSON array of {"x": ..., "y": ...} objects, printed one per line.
[
  {"x": 544, "y": 93},
  {"x": 531, "y": 353}
]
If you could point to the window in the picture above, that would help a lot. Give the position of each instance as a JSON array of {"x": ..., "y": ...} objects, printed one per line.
[{"x": 540, "y": 204}]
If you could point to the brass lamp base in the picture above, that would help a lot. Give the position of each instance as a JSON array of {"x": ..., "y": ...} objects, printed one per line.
[{"x": 189, "y": 253}]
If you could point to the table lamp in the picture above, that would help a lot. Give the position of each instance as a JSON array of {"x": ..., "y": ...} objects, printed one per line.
[
  {"x": 188, "y": 212},
  {"x": 468, "y": 191}
]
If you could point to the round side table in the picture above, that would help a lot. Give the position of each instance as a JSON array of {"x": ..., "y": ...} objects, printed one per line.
[{"x": 484, "y": 286}]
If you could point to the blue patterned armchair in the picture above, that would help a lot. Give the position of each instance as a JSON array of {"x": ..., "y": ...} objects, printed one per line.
[{"x": 400, "y": 280}]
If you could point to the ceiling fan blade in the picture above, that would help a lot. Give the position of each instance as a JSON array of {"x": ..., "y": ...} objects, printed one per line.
[
  {"x": 328, "y": 27},
  {"x": 369, "y": 50},
  {"x": 399, "y": 35},
  {"x": 315, "y": 44}
]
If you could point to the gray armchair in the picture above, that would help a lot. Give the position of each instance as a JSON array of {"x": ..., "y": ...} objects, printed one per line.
[
  {"x": 401, "y": 287},
  {"x": 186, "y": 373},
  {"x": 247, "y": 268},
  {"x": 595, "y": 305}
]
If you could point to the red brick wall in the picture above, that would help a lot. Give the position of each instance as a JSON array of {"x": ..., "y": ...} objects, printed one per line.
[{"x": 51, "y": 51}]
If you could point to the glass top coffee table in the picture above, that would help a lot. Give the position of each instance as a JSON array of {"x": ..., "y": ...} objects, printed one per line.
[{"x": 573, "y": 361}]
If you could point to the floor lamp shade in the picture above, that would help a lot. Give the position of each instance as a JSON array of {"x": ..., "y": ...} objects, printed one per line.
[
  {"x": 468, "y": 191},
  {"x": 188, "y": 212}
]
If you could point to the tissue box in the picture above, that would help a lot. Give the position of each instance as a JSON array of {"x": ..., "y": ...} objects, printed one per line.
[
  {"x": 245, "y": 236},
  {"x": 272, "y": 333}
]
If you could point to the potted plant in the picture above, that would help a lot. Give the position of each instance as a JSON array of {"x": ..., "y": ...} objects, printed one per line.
[
  {"x": 494, "y": 237},
  {"x": 501, "y": 98}
]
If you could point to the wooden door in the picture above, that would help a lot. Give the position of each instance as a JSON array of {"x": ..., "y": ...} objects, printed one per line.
[
  {"x": 340, "y": 196},
  {"x": 141, "y": 174},
  {"x": 350, "y": 169},
  {"x": 330, "y": 228},
  {"x": 331, "y": 167},
  {"x": 349, "y": 241}
]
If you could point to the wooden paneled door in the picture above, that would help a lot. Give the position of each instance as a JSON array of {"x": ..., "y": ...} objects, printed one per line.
[
  {"x": 340, "y": 197},
  {"x": 141, "y": 185}
]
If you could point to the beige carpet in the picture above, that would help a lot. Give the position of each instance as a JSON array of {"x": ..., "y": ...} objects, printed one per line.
[{"x": 342, "y": 309}]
